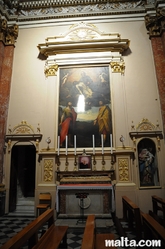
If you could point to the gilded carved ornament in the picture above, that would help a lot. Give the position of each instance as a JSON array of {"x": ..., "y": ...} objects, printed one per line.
[
  {"x": 145, "y": 125},
  {"x": 51, "y": 70},
  {"x": 123, "y": 169},
  {"x": 23, "y": 128},
  {"x": 117, "y": 67},
  {"x": 48, "y": 170},
  {"x": 8, "y": 34}
]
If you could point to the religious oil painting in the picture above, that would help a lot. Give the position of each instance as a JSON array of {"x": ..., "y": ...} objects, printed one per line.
[
  {"x": 148, "y": 165},
  {"x": 84, "y": 162},
  {"x": 84, "y": 106}
]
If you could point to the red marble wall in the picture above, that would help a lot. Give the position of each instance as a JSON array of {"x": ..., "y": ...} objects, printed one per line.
[
  {"x": 1, "y": 55},
  {"x": 158, "y": 46},
  {"x": 6, "y": 63}
]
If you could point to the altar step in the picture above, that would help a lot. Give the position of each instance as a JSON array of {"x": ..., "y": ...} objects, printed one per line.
[
  {"x": 74, "y": 222},
  {"x": 24, "y": 207}
]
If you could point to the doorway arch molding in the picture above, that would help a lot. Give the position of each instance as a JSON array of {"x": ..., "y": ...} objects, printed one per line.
[{"x": 23, "y": 132}]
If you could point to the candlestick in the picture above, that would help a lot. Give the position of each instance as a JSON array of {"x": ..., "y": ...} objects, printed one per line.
[
  {"x": 66, "y": 164},
  {"x": 111, "y": 143},
  {"x": 66, "y": 145},
  {"x": 103, "y": 162},
  {"x": 102, "y": 143},
  {"x": 58, "y": 145},
  {"x": 93, "y": 136},
  {"x": 75, "y": 145}
]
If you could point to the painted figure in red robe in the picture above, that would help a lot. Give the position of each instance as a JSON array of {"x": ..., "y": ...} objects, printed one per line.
[{"x": 67, "y": 123}]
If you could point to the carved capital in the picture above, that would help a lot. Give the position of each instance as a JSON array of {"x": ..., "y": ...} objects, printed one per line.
[
  {"x": 153, "y": 25},
  {"x": 118, "y": 67},
  {"x": 8, "y": 34},
  {"x": 155, "y": 22},
  {"x": 51, "y": 70}
]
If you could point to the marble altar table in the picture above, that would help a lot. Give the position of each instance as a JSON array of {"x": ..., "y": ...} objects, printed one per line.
[{"x": 100, "y": 200}]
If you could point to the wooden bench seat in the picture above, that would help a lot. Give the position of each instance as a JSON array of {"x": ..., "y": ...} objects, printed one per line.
[
  {"x": 91, "y": 240},
  {"x": 89, "y": 233},
  {"x": 53, "y": 235}
]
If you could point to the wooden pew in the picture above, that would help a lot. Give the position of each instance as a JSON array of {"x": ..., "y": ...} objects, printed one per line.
[
  {"x": 91, "y": 240},
  {"x": 158, "y": 205},
  {"x": 153, "y": 230},
  {"x": 132, "y": 213},
  {"x": 156, "y": 217},
  {"x": 89, "y": 233},
  {"x": 51, "y": 238},
  {"x": 119, "y": 228},
  {"x": 100, "y": 240}
]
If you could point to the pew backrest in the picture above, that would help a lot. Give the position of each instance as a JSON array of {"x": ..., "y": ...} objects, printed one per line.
[
  {"x": 89, "y": 233},
  {"x": 131, "y": 212},
  {"x": 159, "y": 204},
  {"x": 30, "y": 232},
  {"x": 152, "y": 229}
]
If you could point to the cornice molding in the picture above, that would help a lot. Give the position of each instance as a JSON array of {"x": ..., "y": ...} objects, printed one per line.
[
  {"x": 83, "y": 42},
  {"x": 28, "y": 11},
  {"x": 83, "y": 38}
]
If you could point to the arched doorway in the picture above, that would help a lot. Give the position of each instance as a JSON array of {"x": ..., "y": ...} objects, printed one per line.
[{"x": 22, "y": 175}]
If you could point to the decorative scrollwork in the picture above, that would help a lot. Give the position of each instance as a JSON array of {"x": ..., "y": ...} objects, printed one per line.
[
  {"x": 48, "y": 170},
  {"x": 123, "y": 170},
  {"x": 23, "y": 128},
  {"x": 145, "y": 125}
]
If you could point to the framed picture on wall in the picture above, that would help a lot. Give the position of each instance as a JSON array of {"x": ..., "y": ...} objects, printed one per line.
[
  {"x": 84, "y": 162},
  {"x": 84, "y": 105}
]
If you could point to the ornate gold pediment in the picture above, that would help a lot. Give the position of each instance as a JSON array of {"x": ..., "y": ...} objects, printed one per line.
[
  {"x": 145, "y": 128},
  {"x": 83, "y": 38},
  {"x": 145, "y": 125},
  {"x": 23, "y": 132}
]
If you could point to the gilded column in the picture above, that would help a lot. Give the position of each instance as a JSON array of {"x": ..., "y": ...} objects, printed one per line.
[
  {"x": 8, "y": 36},
  {"x": 155, "y": 24}
]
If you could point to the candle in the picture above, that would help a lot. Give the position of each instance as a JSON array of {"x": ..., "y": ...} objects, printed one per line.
[
  {"x": 111, "y": 142},
  {"x": 93, "y": 136},
  {"x": 66, "y": 145},
  {"x": 75, "y": 145},
  {"x": 102, "y": 143},
  {"x": 58, "y": 144}
]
